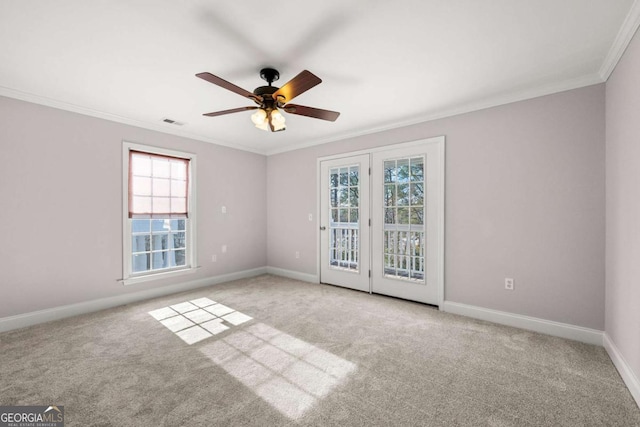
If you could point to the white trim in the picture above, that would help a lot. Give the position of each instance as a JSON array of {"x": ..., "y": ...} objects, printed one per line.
[
  {"x": 401, "y": 145},
  {"x": 158, "y": 127},
  {"x": 477, "y": 105},
  {"x": 441, "y": 223},
  {"x": 158, "y": 275},
  {"x": 192, "y": 255},
  {"x": 628, "y": 376},
  {"x": 57, "y": 313},
  {"x": 439, "y": 141},
  {"x": 624, "y": 37},
  {"x": 304, "y": 277},
  {"x": 549, "y": 327}
]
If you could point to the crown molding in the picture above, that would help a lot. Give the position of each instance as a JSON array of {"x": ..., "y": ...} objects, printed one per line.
[
  {"x": 495, "y": 101},
  {"x": 61, "y": 105},
  {"x": 625, "y": 34}
]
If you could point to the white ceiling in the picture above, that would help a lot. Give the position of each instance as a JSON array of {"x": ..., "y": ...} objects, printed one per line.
[{"x": 384, "y": 64}]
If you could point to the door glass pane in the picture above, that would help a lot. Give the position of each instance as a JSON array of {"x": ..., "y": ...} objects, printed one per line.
[
  {"x": 403, "y": 210},
  {"x": 344, "y": 224}
]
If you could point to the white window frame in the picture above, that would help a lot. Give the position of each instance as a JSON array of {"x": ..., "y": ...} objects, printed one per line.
[{"x": 129, "y": 278}]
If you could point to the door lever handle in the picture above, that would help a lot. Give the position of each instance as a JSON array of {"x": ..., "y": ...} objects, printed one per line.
[{"x": 323, "y": 228}]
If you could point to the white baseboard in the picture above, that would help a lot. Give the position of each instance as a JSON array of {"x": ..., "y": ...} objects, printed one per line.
[
  {"x": 56, "y": 313},
  {"x": 628, "y": 376},
  {"x": 305, "y": 277},
  {"x": 549, "y": 327}
]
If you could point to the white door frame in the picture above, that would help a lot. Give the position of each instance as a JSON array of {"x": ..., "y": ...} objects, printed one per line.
[
  {"x": 359, "y": 279},
  {"x": 439, "y": 141}
]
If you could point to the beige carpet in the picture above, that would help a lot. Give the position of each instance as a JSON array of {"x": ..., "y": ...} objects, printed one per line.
[{"x": 270, "y": 351}]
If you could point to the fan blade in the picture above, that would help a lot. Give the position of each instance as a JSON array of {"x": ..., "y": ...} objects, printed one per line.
[
  {"x": 234, "y": 110},
  {"x": 226, "y": 85},
  {"x": 297, "y": 85},
  {"x": 316, "y": 113}
]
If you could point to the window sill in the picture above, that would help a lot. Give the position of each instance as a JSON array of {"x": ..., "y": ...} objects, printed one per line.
[{"x": 157, "y": 276}]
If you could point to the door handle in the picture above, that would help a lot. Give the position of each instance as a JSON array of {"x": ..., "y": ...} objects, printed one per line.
[{"x": 323, "y": 228}]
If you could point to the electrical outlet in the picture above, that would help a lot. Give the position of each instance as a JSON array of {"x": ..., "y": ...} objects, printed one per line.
[
  {"x": 224, "y": 249},
  {"x": 310, "y": 217},
  {"x": 509, "y": 284},
  {"x": 224, "y": 209},
  {"x": 214, "y": 258},
  {"x": 297, "y": 254}
]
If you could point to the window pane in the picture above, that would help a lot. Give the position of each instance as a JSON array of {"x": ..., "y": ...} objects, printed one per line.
[
  {"x": 160, "y": 224},
  {"x": 140, "y": 225},
  {"x": 141, "y": 243},
  {"x": 140, "y": 263},
  {"x": 403, "y": 216},
  {"x": 180, "y": 257},
  {"x": 417, "y": 194},
  {"x": 179, "y": 240},
  {"x": 344, "y": 215},
  {"x": 403, "y": 194},
  {"x": 402, "y": 170},
  {"x": 178, "y": 224},
  {"x": 390, "y": 171},
  {"x": 354, "y": 201},
  {"x": 417, "y": 216},
  {"x": 334, "y": 197},
  {"x": 334, "y": 215},
  {"x": 354, "y": 215},
  {"x": 160, "y": 242},
  {"x": 390, "y": 195},
  {"x": 390, "y": 216},
  {"x": 344, "y": 176},
  {"x": 344, "y": 196},
  {"x": 417, "y": 169},
  {"x": 333, "y": 178},
  {"x": 159, "y": 260},
  {"x": 353, "y": 175}
]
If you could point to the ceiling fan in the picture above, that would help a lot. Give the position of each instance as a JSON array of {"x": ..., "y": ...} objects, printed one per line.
[{"x": 270, "y": 98}]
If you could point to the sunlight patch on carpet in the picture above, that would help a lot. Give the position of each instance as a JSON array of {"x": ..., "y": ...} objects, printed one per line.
[
  {"x": 197, "y": 320},
  {"x": 286, "y": 372}
]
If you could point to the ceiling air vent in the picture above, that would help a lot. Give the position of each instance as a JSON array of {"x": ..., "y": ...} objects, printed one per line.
[{"x": 172, "y": 122}]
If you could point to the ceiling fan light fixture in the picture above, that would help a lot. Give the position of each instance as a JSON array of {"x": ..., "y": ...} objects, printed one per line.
[
  {"x": 259, "y": 117},
  {"x": 277, "y": 120},
  {"x": 263, "y": 126}
]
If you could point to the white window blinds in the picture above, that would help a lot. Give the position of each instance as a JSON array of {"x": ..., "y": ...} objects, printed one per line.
[{"x": 158, "y": 186}]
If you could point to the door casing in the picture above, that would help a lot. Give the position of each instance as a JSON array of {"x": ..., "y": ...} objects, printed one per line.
[{"x": 439, "y": 142}]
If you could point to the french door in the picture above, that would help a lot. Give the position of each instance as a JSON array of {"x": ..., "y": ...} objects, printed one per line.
[
  {"x": 382, "y": 221},
  {"x": 344, "y": 234}
]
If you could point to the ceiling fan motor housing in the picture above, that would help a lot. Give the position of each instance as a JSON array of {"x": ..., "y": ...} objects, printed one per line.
[{"x": 265, "y": 93}]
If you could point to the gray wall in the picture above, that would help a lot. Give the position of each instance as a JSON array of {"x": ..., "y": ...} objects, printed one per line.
[
  {"x": 623, "y": 206},
  {"x": 524, "y": 199},
  {"x": 61, "y": 209}
]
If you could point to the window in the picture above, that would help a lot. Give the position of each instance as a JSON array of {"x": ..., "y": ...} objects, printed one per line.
[{"x": 159, "y": 218}]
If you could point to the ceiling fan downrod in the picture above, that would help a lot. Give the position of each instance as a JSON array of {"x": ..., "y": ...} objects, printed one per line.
[{"x": 269, "y": 75}]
